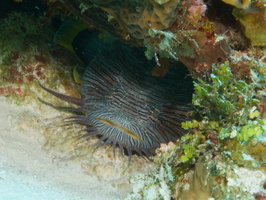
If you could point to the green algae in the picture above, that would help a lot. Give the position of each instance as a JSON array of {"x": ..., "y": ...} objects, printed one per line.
[
  {"x": 224, "y": 98},
  {"x": 231, "y": 102},
  {"x": 227, "y": 138}
]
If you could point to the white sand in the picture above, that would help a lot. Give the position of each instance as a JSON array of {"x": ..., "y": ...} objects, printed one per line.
[{"x": 28, "y": 173}]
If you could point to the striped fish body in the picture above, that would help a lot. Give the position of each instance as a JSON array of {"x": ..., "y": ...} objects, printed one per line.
[
  {"x": 120, "y": 101},
  {"x": 117, "y": 87}
]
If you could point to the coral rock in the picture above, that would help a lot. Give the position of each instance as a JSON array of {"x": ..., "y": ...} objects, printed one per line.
[
  {"x": 254, "y": 25},
  {"x": 126, "y": 18}
]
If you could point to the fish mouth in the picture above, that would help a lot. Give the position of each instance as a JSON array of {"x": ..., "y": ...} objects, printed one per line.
[{"x": 125, "y": 130}]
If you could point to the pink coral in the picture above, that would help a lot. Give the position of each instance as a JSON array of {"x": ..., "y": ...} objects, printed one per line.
[{"x": 196, "y": 9}]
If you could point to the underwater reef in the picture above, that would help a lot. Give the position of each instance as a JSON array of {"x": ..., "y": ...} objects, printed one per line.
[
  {"x": 221, "y": 152},
  {"x": 193, "y": 32}
]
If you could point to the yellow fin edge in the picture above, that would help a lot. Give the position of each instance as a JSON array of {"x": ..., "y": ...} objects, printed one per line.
[{"x": 108, "y": 122}]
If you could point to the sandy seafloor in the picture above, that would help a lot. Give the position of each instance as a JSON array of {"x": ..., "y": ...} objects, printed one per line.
[{"x": 27, "y": 171}]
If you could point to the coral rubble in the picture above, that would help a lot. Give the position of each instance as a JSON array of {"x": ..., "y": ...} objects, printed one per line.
[{"x": 252, "y": 17}]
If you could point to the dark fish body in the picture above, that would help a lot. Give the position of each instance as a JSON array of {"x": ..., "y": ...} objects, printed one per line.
[
  {"x": 118, "y": 87},
  {"x": 123, "y": 104}
]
